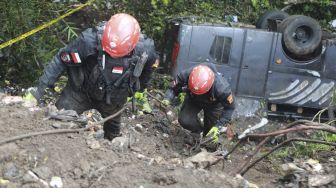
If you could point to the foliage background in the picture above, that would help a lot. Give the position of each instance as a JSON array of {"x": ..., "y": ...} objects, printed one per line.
[{"x": 22, "y": 63}]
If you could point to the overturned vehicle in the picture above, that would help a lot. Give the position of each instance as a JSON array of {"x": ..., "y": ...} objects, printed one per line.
[{"x": 287, "y": 62}]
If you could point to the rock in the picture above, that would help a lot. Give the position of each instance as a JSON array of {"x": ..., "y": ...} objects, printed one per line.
[
  {"x": 94, "y": 144},
  {"x": 175, "y": 122},
  {"x": 291, "y": 167},
  {"x": 200, "y": 160},
  {"x": 139, "y": 128},
  {"x": 11, "y": 100},
  {"x": 99, "y": 134},
  {"x": 70, "y": 183},
  {"x": 56, "y": 125},
  {"x": 150, "y": 162},
  {"x": 171, "y": 116},
  {"x": 27, "y": 178},
  {"x": 320, "y": 180},
  {"x": 85, "y": 166},
  {"x": 43, "y": 172},
  {"x": 32, "y": 185},
  {"x": 120, "y": 143},
  {"x": 143, "y": 157},
  {"x": 163, "y": 179},
  {"x": 8, "y": 150},
  {"x": 159, "y": 160},
  {"x": 11, "y": 171},
  {"x": 136, "y": 149},
  {"x": 242, "y": 181},
  {"x": 77, "y": 173}
]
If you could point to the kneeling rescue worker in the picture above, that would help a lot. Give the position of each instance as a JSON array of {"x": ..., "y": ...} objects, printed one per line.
[
  {"x": 206, "y": 90},
  {"x": 105, "y": 65}
]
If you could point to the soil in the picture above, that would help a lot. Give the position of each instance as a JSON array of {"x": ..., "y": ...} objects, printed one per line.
[{"x": 151, "y": 153}]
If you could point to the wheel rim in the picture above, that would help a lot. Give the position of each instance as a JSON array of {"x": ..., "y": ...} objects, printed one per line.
[{"x": 302, "y": 35}]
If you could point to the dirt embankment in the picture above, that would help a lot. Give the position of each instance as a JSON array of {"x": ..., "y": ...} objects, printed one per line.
[{"x": 152, "y": 152}]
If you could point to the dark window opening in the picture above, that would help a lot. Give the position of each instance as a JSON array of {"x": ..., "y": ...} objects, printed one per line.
[{"x": 220, "y": 49}]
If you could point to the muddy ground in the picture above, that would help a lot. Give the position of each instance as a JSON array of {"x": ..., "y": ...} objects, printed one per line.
[{"x": 152, "y": 152}]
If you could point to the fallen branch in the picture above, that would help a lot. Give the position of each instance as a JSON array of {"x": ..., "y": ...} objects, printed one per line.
[
  {"x": 243, "y": 171},
  {"x": 292, "y": 127},
  {"x": 60, "y": 131},
  {"x": 295, "y": 129},
  {"x": 249, "y": 158}
]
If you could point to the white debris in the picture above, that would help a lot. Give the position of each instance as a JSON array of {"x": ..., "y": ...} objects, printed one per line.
[
  {"x": 11, "y": 100},
  {"x": 315, "y": 165},
  {"x": 320, "y": 180},
  {"x": 262, "y": 123},
  {"x": 56, "y": 182}
]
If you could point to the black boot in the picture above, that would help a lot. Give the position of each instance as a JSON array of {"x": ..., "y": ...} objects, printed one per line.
[
  {"x": 110, "y": 132},
  {"x": 111, "y": 135}
]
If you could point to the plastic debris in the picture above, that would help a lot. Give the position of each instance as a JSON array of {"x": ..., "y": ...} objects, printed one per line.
[
  {"x": 262, "y": 123},
  {"x": 4, "y": 182},
  {"x": 67, "y": 115},
  {"x": 320, "y": 180},
  {"x": 56, "y": 182},
  {"x": 315, "y": 165}
]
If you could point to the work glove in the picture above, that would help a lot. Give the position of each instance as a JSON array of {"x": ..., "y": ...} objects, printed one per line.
[{"x": 214, "y": 133}]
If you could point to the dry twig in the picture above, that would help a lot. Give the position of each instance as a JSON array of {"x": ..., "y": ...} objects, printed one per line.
[{"x": 60, "y": 131}]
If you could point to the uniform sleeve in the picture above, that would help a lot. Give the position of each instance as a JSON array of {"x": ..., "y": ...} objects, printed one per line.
[
  {"x": 181, "y": 81},
  {"x": 74, "y": 53},
  {"x": 225, "y": 96}
]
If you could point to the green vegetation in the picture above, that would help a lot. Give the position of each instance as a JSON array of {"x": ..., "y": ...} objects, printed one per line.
[
  {"x": 23, "y": 62},
  {"x": 308, "y": 150}
]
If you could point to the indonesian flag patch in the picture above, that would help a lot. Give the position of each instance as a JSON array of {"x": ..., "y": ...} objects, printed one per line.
[
  {"x": 118, "y": 70},
  {"x": 75, "y": 57}
]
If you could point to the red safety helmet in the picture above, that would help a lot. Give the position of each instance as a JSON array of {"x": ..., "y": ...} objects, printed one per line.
[
  {"x": 201, "y": 79},
  {"x": 121, "y": 34}
]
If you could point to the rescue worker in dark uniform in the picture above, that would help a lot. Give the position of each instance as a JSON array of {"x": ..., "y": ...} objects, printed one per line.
[
  {"x": 100, "y": 64},
  {"x": 206, "y": 90}
]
